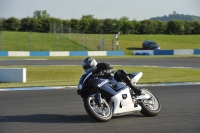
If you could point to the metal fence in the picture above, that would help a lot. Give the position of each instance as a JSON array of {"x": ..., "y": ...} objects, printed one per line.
[
  {"x": 85, "y": 41},
  {"x": 60, "y": 38}
]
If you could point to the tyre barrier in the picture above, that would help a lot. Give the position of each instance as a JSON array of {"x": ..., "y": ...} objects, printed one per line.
[{"x": 142, "y": 53}]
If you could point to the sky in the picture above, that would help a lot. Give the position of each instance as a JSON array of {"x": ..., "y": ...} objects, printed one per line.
[{"x": 100, "y": 9}]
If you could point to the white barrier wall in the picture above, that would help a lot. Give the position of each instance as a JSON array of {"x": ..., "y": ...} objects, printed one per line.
[
  {"x": 183, "y": 52},
  {"x": 13, "y": 75},
  {"x": 97, "y": 53},
  {"x": 18, "y": 53},
  {"x": 59, "y": 53}
]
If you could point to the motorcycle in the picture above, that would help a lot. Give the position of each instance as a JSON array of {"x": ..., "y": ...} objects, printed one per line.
[{"x": 104, "y": 98}]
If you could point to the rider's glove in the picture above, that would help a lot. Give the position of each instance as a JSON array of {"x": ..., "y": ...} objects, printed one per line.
[
  {"x": 80, "y": 87},
  {"x": 103, "y": 72}
]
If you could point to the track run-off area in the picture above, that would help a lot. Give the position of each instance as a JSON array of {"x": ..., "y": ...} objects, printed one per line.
[{"x": 62, "y": 111}]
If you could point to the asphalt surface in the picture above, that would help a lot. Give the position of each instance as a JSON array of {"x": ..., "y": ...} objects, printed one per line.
[
  {"x": 62, "y": 111},
  {"x": 170, "y": 62}
]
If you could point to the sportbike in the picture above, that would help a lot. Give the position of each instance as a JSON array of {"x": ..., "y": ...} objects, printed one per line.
[{"x": 104, "y": 98}]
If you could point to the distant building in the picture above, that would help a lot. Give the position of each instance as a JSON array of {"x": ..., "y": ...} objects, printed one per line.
[{"x": 176, "y": 16}]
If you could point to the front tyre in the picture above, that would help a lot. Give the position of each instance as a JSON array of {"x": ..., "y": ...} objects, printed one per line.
[
  {"x": 151, "y": 106},
  {"x": 101, "y": 112}
]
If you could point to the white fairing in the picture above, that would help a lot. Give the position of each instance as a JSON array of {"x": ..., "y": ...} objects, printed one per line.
[
  {"x": 136, "y": 78},
  {"x": 123, "y": 105}
]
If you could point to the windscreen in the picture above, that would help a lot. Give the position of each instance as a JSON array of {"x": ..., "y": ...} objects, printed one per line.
[{"x": 152, "y": 44}]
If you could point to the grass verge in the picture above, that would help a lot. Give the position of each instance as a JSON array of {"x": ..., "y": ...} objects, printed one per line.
[{"x": 69, "y": 75}]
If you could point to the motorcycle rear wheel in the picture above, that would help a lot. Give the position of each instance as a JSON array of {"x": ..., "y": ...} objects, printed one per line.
[
  {"x": 151, "y": 106},
  {"x": 101, "y": 113}
]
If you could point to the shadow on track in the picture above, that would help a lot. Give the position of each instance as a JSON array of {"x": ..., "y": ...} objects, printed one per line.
[
  {"x": 48, "y": 118},
  {"x": 54, "y": 118}
]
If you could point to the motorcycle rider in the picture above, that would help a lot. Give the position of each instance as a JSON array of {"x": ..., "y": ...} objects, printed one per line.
[{"x": 104, "y": 70}]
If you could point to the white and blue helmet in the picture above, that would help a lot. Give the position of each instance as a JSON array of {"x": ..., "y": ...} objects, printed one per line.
[{"x": 89, "y": 63}]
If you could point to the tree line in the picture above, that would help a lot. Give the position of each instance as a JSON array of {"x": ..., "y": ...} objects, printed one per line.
[{"x": 41, "y": 22}]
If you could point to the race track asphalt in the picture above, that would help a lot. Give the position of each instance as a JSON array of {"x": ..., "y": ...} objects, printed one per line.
[
  {"x": 62, "y": 111},
  {"x": 170, "y": 62}
]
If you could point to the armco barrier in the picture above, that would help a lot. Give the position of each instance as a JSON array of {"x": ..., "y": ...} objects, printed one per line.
[
  {"x": 61, "y": 53},
  {"x": 13, "y": 75},
  {"x": 167, "y": 52}
]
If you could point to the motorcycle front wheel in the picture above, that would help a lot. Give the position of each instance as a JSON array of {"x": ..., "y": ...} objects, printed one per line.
[
  {"x": 151, "y": 106},
  {"x": 101, "y": 112}
]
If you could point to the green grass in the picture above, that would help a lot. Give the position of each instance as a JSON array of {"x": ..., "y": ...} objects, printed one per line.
[
  {"x": 69, "y": 75},
  {"x": 133, "y": 42},
  {"x": 26, "y": 41},
  {"x": 20, "y": 41}
]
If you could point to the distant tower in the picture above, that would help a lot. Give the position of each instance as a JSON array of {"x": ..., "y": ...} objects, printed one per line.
[{"x": 174, "y": 12}]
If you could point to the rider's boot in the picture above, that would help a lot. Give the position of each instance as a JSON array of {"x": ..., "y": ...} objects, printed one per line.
[
  {"x": 124, "y": 76},
  {"x": 136, "y": 90}
]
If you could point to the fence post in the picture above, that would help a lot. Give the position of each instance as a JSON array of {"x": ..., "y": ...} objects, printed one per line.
[
  {"x": 112, "y": 45},
  {"x": 56, "y": 41},
  {"x": 62, "y": 29},
  {"x": 54, "y": 26},
  {"x": 70, "y": 33},
  {"x": 94, "y": 42},
  {"x": 83, "y": 41},
  {"x": 100, "y": 45},
  {"x": 30, "y": 39},
  {"x": 103, "y": 45},
  {"x": 1, "y": 39},
  {"x": 117, "y": 40}
]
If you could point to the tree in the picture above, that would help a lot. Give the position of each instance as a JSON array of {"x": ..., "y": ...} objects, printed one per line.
[
  {"x": 196, "y": 27},
  {"x": 111, "y": 26},
  {"x": 124, "y": 18},
  {"x": 45, "y": 25},
  {"x": 75, "y": 24},
  {"x": 175, "y": 27},
  {"x": 55, "y": 23},
  {"x": 89, "y": 17},
  {"x": 136, "y": 27},
  {"x": 107, "y": 26},
  {"x": 12, "y": 24},
  {"x": 188, "y": 27},
  {"x": 84, "y": 24},
  {"x": 147, "y": 27},
  {"x": 41, "y": 14},
  {"x": 1, "y": 23},
  {"x": 66, "y": 23},
  {"x": 160, "y": 27},
  {"x": 96, "y": 26},
  {"x": 26, "y": 24},
  {"x": 127, "y": 26}
]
